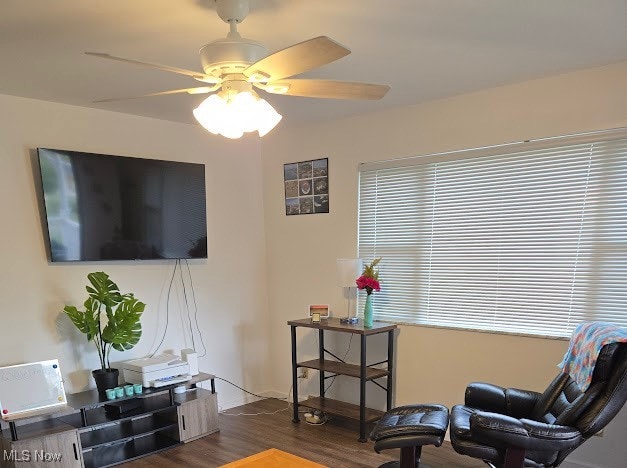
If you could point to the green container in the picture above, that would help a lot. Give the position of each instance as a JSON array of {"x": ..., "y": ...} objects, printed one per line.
[{"x": 368, "y": 312}]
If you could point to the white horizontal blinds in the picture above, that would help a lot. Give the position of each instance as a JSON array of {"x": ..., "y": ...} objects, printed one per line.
[
  {"x": 527, "y": 242},
  {"x": 608, "y": 284},
  {"x": 391, "y": 214},
  {"x": 507, "y": 241}
]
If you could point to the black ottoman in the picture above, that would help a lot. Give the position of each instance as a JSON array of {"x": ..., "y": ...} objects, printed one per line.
[{"x": 409, "y": 428}]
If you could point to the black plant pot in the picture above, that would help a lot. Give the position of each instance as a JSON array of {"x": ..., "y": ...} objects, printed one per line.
[{"x": 107, "y": 378}]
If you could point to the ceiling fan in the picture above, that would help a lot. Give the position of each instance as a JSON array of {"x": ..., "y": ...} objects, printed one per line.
[{"x": 232, "y": 66}]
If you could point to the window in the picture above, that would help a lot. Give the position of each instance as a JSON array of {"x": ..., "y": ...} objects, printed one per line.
[{"x": 526, "y": 238}]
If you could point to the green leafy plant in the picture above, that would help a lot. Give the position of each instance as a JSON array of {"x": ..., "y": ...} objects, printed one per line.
[{"x": 110, "y": 318}]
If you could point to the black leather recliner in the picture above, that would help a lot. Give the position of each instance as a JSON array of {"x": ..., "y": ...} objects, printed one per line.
[{"x": 519, "y": 428}]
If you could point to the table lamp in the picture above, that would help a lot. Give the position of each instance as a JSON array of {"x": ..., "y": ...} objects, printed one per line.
[{"x": 348, "y": 270}]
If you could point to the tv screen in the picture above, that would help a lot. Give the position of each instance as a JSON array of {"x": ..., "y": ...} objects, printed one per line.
[{"x": 103, "y": 207}]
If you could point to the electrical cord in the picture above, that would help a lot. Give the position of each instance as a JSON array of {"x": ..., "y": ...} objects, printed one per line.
[
  {"x": 178, "y": 264},
  {"x": 189, "y": 318},
  {"x": 251, "y": 393},
  {"x": 167, "y": 309},
  {"x": 289, "y": 403},
  {"x": 343, "y": 359},
  {"x": 191, "y": 282},
  {"x": 288, "y": 398}
]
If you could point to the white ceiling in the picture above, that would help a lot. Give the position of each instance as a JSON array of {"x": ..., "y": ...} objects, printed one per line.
[{"x": 424, "y": 49}]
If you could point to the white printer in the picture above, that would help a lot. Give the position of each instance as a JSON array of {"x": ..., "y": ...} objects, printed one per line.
[{"x": 157, "y": 371}]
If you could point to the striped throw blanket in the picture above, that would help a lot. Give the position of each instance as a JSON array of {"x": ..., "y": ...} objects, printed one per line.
[{"x": 585, "y": 345}]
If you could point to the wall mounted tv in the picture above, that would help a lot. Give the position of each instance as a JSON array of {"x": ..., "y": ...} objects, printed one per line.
[{"x": 104, "y": 207}]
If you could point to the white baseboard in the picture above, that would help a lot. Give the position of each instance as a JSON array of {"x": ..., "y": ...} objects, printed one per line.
[
  {"x": 273, "y": 394},
  {"x": 233, "y": 402},
  {"x": 245, "y": 399}
]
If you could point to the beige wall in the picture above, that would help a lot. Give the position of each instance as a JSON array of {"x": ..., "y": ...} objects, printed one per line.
[
  {"x": 230, "y": 296},
  {"x": 433, "y": 365}
]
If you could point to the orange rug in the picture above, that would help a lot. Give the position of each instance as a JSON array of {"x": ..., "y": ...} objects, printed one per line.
[{"x": 273, "y": 458}]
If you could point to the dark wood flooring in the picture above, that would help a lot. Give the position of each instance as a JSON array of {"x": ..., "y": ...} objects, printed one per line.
[{"x": 333, "y": 444}]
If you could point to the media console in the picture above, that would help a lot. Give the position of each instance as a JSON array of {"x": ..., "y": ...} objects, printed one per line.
[{"x": 88, "y": 436}]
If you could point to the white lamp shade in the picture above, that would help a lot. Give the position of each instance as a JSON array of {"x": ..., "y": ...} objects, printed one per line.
[
  {"x": 233, "y": 116},
  {"x": 348, "y": 270}
]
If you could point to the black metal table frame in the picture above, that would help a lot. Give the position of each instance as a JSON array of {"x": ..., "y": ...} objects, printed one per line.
[{"x": 362, "y": 377}]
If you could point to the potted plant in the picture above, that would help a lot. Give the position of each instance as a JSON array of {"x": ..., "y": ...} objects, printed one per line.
[{"x": 110, "y": 320}]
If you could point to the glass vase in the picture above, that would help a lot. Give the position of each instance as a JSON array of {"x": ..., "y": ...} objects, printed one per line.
[{"x": 368, "y": 313}]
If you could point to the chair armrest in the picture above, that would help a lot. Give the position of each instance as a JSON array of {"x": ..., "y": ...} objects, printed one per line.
[
  {"x": 509, "y": 401},
  {"x": 502, "y": 431},
  {"x": 487, "y": 397}
]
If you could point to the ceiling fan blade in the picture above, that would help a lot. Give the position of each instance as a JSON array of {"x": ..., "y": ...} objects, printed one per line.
[
  {"x": 327, "y": 89},
  {"x": 181, "y": 71},
  {"x": 199, "y": 90},
  {"x": 296, "y": 59}
]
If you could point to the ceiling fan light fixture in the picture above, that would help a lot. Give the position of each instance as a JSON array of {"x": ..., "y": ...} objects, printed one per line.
[
  {"x": 270, "y": 117},
  {"x": 208, "y": 113},
  {"x": 233, "y": 115}
]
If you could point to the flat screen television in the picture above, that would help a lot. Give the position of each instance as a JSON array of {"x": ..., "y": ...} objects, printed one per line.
[{"x": 105, "y": 207}]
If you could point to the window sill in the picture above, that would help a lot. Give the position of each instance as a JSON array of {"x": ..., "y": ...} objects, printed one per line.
[{"x": 477, "y": 330}]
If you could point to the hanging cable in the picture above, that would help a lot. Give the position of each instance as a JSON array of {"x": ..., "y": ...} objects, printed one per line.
[
  {"x": 289, "y": 403},
  {"x": 189, "y": 318},
  {"x": 343, "y": 359},
  {"x": 167, "y": 309},
  {"x": 191, "y": 282}
]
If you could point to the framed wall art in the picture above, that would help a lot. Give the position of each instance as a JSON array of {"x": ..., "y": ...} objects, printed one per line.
[{"x": 306, "y": 187}]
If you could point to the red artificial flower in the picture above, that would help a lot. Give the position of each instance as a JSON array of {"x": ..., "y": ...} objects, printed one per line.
[
  {"x": 369, "y": 279},
  {"x": 369, "y": 284}
]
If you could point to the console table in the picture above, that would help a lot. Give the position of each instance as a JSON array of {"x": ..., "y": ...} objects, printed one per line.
[
  {"x": 337, "y": 366},
  {"x": 90, "y": 437}
]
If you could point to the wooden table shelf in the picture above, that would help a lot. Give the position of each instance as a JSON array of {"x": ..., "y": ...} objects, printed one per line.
[
  {"x": 342, "y": 368},
  {"x": 341, "y": 408}
]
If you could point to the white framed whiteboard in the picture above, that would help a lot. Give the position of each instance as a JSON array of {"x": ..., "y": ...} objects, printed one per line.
[{"x": 30, "y": 388}]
